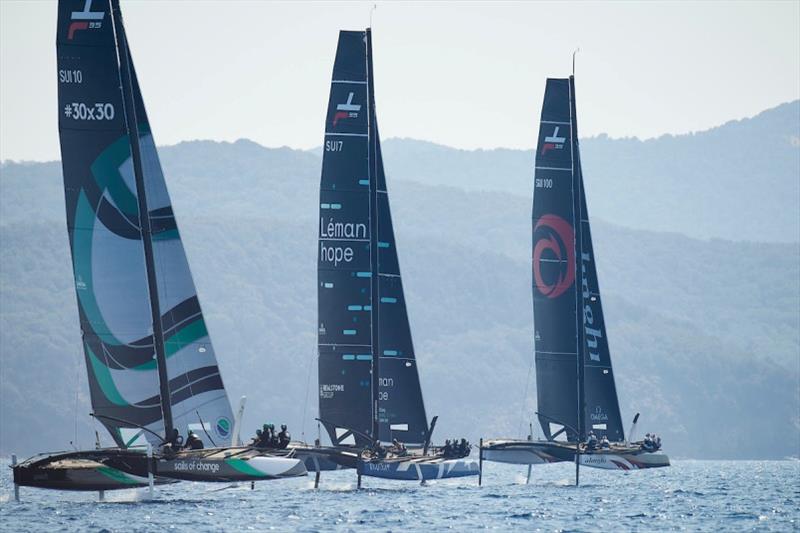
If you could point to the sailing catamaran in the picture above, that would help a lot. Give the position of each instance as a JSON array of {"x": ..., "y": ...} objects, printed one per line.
[
  {"x": 369, "y": 389},
  {"x": 151, "y": 365},
  {"x": 576, "y": 393}
]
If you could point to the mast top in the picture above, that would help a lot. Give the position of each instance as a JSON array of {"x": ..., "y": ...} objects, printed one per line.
[{"x": 574, "y": 53}]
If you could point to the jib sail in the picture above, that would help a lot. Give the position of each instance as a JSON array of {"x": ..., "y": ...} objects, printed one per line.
[
  {"x": 369, "y": 386},
  {"x": 107, "y": 241},
  {"x": 575, "y": 383}
]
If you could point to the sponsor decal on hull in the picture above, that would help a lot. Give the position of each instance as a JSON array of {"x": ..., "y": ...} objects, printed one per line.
[{"x": 196, "y": 466}]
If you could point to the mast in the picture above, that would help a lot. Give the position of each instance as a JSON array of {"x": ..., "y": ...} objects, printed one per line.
[
  {"x": 576, "y": 188},
  {"x": 144, "y": 215},
  {"x": 373, "y": 259},
  {"x": 578, "y": 245}
]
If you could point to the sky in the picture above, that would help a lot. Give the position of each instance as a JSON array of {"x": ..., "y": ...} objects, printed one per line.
[{"x": 469, "y": 75}]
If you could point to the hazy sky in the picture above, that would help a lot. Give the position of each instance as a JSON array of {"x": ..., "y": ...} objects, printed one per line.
[{"x": 463, "y": 74}]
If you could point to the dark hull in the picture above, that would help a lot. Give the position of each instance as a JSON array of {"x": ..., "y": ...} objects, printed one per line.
[
  {"x": 325, "y": 458},
  {"x": 617, "y": 457},
  {"x": 114, "y": 468},
  {"x": 107, "y": 469}
]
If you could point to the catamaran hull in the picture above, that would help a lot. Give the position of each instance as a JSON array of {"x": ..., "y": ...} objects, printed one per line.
[
  {"x": 516, "y": 452},
  {"x": 325, "y": 458},
  {"x": 635, "y": 461},
  {"x": 540, "y": 452},
  {"x": 230, "y": 469},
  {"x": 418, "y": 469},
  {"x": 91, "y": 470}
]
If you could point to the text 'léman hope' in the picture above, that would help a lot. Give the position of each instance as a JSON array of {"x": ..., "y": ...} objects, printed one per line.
[{"x": 331, "y": 229}]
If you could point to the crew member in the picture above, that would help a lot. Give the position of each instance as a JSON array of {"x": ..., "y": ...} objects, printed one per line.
[
  {"x": 591, "y": 442},
  {"x": 464, "y": 448},
  {"x": 173, "y": 442},
  {"x": 283, "y": 437},
  {"x": 258, "y": 440},
  {"x": 193, "y": 442},
  {"x": 447, "y": 450}
]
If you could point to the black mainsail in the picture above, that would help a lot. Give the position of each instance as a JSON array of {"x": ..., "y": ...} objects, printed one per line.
[
  {"x": 575, "y": 382},
  {"x": 368, "y": 381},
  {"x": 148, "y": 353}
]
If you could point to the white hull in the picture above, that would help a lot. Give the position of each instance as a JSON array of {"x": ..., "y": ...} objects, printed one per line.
[
  {"x": 228, "y": 465},
  {"x": 637, "y": 461},
  {"x": 524, "y": 452}
]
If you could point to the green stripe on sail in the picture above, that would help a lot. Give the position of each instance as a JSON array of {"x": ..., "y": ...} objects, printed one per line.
[
  {"x": 103, "y": 376},
  {"x": 82, "y": 235},
  {"x": 169, "y": 235},
  {"x": 135, "y": 436},
  {"x": 242, "y": 466},
  {"x": 105, "y": 170},
  {"x": 183, "y": 337},
  {"x": 118, "y": 475}
]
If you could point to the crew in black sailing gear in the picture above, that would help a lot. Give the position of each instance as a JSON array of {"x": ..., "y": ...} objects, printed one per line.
[
  {"x": 604, "y": 442},
  {"x": 398, "y": 448},
  {"x": 464, "y": 448},
  {"x": 173, "y": 443},
  {"x": 283, "y": 437},
  {"x": 193, "y": 442},
  {"x": 591, "y": 442},
  {"x": 447, "y": 449},
  {"x": 258, "y": 440}
]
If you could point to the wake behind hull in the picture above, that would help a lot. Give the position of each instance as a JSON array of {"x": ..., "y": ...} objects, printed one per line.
[
  {"x": 541, "y": 452},
  {"x": 418, "y": 468}
]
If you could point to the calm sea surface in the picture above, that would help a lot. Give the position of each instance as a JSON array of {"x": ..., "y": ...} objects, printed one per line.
[{"x": 690, "y": 495}]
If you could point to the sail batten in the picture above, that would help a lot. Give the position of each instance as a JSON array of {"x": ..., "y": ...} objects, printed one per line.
[{"x": 119, "y": 309}]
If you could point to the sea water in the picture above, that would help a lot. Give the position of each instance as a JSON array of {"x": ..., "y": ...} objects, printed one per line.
[{"x": 689, "y": 495}]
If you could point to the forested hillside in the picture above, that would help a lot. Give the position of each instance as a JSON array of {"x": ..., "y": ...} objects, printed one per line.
[{"x": 739, "y": 181}]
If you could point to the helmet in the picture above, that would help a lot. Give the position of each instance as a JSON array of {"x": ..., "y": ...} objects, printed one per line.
[
  {"x": 265, "y": 427},
  {"x": 258, "y": 432},
  {"x": 283, "y": 427}
]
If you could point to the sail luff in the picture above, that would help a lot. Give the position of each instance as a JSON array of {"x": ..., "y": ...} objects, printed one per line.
[{"x": 144, "y": 218}]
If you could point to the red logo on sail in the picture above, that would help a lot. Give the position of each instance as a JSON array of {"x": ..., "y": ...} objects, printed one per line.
[
  {"x": 84, "y": 20},
  {"x": 346, "y": 110},
  {"x": 553, "y": 142},
  {"x": 557, "y": 241}
]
